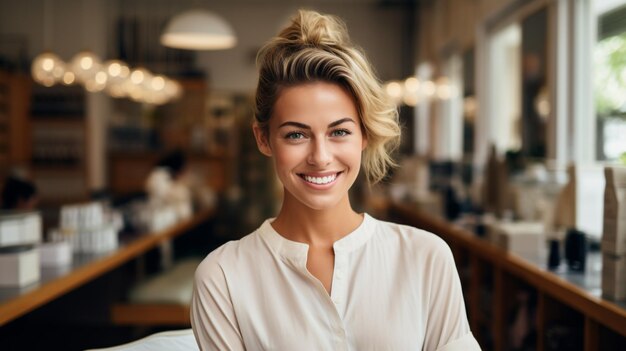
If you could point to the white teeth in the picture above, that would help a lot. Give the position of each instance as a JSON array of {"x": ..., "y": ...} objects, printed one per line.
[{"x": 320, "y": 180}]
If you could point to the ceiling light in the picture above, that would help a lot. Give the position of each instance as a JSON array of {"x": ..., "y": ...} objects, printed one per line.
[
  {"x": 85, "y": 65},
  {"x": 47, "y": 69},
  {"x": 198, "y": 30}
]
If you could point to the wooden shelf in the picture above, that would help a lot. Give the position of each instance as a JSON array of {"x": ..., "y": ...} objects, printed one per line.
[
  {"x": 71, "y": 122},
  {"x": 39, "y": 169},
  {"x": 59, "y": 132}
]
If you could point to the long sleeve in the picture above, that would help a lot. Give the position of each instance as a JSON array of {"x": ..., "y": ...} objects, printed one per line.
[
  {"x": 447, "y": 327},
  {"x": 213, "y": 319}
]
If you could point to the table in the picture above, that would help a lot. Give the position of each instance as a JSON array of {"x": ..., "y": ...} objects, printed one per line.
[
  {"x": 54, "y": 282},
  {"x": 560, "y": 292}
]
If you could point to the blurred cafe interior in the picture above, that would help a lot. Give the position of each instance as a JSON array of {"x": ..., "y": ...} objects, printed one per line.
[{"x": 127, "y": 156}]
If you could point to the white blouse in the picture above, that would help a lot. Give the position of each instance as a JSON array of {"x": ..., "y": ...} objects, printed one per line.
[{"x": 394, "y": 287}]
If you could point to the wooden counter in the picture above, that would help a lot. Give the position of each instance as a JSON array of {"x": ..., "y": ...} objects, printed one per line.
[
  {"x": 562, "y": 295},
  {"x": 15, "y": 302}
]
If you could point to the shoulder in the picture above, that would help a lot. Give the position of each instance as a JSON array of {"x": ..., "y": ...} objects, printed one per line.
[
  {"x": 227, "y": 256},
  {"x": 413, "y": 240}
]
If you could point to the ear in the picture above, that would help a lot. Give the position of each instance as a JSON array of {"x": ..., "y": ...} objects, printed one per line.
[{"x": 261, "y": 140}]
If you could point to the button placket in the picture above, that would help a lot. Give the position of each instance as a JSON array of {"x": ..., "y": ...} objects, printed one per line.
[{"x": 338, "y": 290}]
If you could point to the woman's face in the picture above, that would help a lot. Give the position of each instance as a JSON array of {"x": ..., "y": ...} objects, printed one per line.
[{"x": 316, "y": 141}]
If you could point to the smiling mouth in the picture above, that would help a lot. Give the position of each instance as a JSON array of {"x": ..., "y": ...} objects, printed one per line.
[{"x": 320, "y": 180}]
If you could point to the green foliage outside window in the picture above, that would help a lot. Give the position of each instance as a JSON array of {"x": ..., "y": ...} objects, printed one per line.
[{"x": 610, "y": 77}]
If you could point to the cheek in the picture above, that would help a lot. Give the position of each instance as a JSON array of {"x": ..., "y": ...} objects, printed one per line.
[
  {"x": 286, "y": 158},
  {"x": 350, "y": 153}
]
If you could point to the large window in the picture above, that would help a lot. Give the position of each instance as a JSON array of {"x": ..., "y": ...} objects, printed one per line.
[
  {"x": 505, "y": 89},
  {"x": 518, "y": 103},
  {"x": 609, "y": 69}
]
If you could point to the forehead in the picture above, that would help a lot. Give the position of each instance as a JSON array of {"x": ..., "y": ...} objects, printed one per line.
[{"x": 314, "y": 101}]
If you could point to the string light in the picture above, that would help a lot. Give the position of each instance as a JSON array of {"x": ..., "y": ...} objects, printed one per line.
[
  {"x": 114, "y": 77},
  {"x": 412, "y": 91}
]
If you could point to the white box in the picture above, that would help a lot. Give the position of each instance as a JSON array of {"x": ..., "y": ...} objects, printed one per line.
[
  {"x": 614, "y": 225},
  {"x": 19, "y": 268},
  {"x": 614, "y": 276},
  {"x": 20, "y": 229},
  {"x": 523, "y": 238},
  {"x": 55, "y": 254}
]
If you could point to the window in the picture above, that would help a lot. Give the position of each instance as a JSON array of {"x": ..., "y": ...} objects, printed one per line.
[
  {"x": 518, "y": 107},
  {"x": 609, "y": 78}
]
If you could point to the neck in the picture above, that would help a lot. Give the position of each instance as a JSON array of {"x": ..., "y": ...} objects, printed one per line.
[{"x": 318, "y": 228}]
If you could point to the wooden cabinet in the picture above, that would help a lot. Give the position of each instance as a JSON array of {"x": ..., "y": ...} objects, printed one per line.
[
  {"x": 43, "y": 131},
  {"x": 513, "y": 300},
  {"x": 128, "y": 171},
  {"x": 59, "y": 142},
  {"x": 15, "y": 139}
]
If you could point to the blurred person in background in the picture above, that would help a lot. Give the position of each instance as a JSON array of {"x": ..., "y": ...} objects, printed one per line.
[{"x": 19, "y": 194}]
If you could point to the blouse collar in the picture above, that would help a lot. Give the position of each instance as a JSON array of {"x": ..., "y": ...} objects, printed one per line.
[{"x": 297, "y": 252}]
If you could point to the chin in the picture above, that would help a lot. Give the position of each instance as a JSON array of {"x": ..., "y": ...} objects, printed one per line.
[
  {"x": 319, "y": 204},
  {"x": 318, "y": 201}
]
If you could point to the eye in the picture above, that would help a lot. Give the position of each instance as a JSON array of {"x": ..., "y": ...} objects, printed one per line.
[
  {"x": 340, "y": 132},
  {"x": 294, "y": 135}
]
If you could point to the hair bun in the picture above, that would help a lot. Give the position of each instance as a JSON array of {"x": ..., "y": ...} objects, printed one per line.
[{"x": 313, "y": 28}]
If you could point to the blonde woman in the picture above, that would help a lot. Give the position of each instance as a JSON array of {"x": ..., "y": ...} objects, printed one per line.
[{"x": 320, "y": 276}]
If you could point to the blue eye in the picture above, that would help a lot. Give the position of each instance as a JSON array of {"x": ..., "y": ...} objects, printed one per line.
[
  {"x": 294, "y": 135},
  {"x": 340, "y": 132}
]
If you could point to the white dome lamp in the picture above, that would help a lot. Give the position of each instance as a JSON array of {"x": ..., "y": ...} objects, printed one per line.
[{"x": 198, "y": 30}]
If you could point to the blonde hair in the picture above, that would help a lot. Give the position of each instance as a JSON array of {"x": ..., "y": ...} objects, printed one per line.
[{"x": 316, "y": 47}]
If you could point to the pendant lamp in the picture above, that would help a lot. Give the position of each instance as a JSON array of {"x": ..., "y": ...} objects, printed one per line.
[
  {"x": 47, "y": 69},
  {"x": 198, "y": 30}
]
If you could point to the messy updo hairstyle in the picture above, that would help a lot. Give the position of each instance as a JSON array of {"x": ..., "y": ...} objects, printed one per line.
[{"x": 316, "y": 48}]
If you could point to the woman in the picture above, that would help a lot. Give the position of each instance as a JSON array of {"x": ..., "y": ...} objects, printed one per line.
[{"x": 320, "y": 276}]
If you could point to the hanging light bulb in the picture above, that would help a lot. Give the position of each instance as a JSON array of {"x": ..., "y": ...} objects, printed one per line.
[
  {"x": 429, "y": 88},
  {"x": 412, "y": 85},
  {"x": 411, "y": 91},
  {"x": 97, "y": 83},
  {"x": 47, "y": 69},
  {"x": 85, "y": 65},
  {"x": 443, "y": 88},
  {"x": 117, "y": 73},
  {"x": 157, "y": 83},
  {"x": 116, "y": 70},
  {"x": 140, "y": 87},
  {"x": 173, "y": 89},
  {"x": 394, "y": 91},
  {"x": 140, "y": 75},
  {"x": 155, "y": 90},
  {"x": 68, "y": 78}
]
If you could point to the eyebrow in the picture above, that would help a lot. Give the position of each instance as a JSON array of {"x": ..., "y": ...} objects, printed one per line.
[{"x": 304, "y": 126}]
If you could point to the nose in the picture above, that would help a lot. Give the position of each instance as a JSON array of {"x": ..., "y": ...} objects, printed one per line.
[{"x": 320, "y": 154}]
